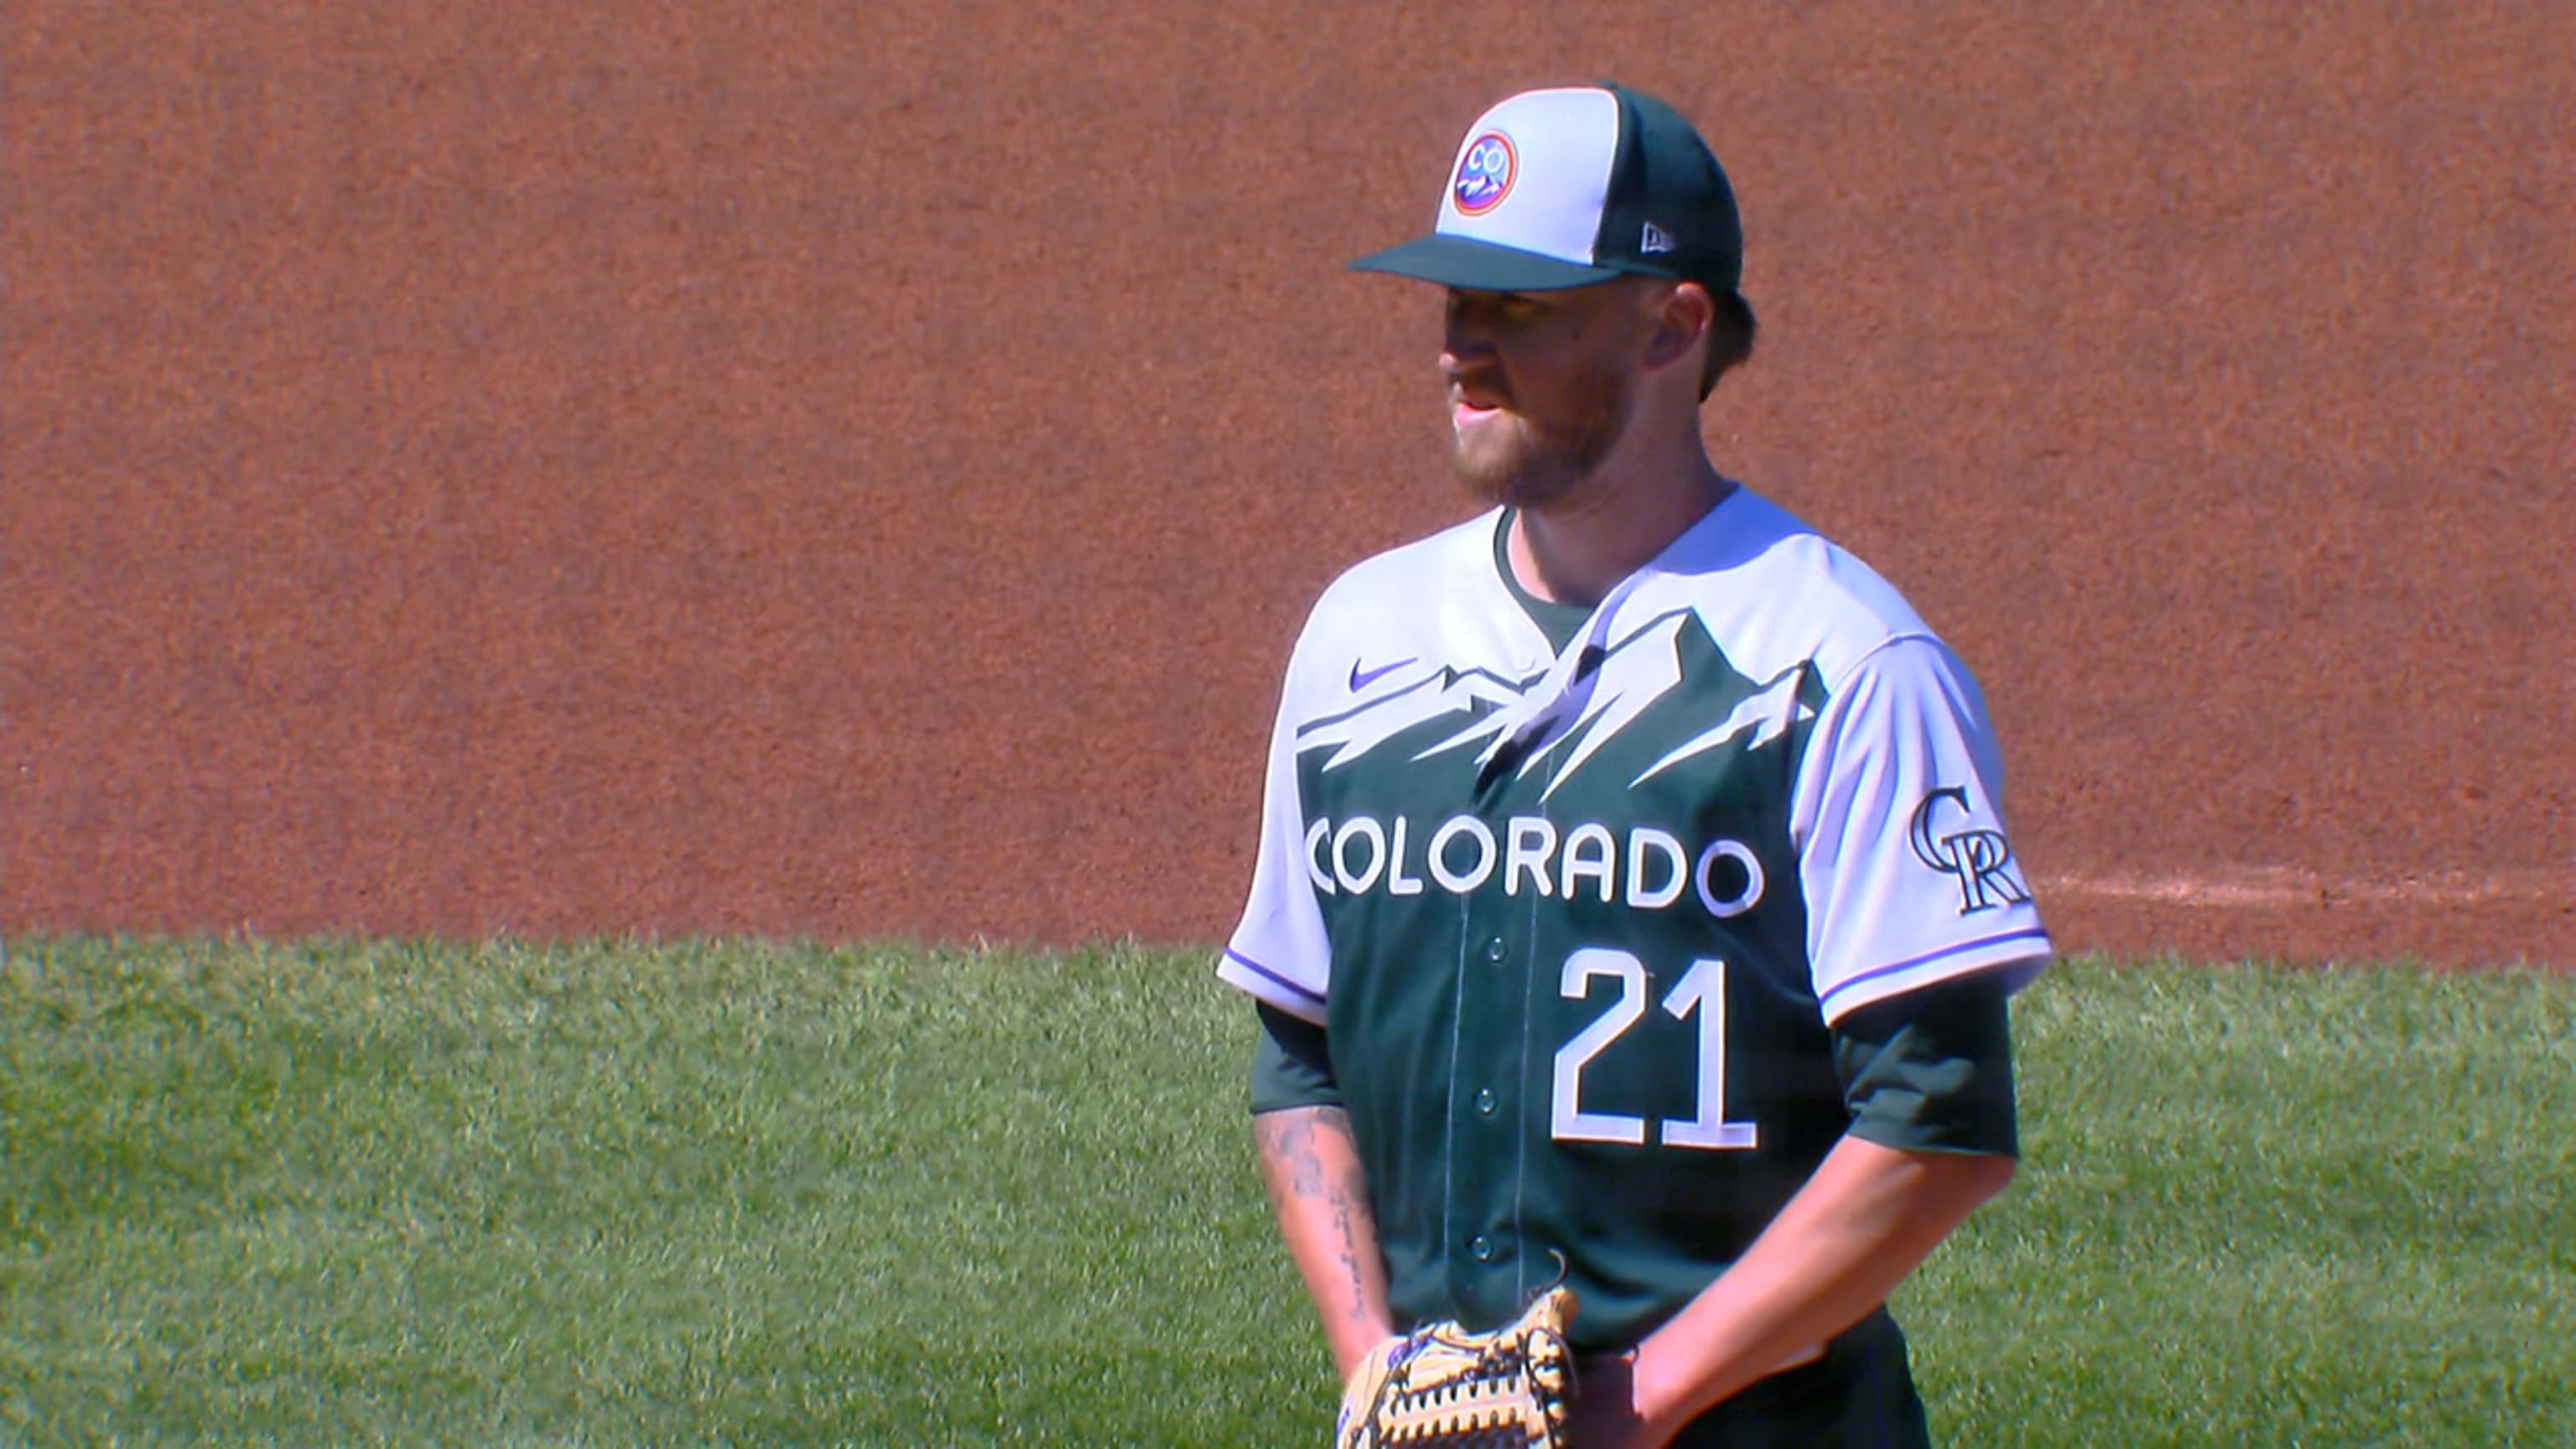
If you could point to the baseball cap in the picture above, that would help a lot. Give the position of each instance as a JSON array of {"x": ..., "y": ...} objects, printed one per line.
[{"x": 1574, "y": 185}]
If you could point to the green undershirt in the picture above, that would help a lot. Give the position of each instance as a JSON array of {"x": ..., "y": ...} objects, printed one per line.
[{"x": 1559, "y": 622}]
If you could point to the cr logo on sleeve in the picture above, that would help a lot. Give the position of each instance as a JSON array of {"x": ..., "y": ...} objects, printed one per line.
[{"x": 1980, "y": 858}]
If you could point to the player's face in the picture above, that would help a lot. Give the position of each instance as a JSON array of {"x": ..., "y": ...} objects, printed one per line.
[{"x": 1541, "y": 386}]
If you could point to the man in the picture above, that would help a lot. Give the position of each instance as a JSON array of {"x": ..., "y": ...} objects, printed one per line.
[{"x": 1632, "y": 901}]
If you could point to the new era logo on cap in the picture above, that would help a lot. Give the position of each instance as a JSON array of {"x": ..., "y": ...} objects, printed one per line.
[{"x": 1554, "y": 188}]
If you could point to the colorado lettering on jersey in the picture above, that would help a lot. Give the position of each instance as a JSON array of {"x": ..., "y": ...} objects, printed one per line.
[{"x": 1645, "y": 869}]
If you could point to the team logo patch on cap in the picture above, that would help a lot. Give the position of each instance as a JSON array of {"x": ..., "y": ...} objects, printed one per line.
[{"x": 1485, "y": 172}]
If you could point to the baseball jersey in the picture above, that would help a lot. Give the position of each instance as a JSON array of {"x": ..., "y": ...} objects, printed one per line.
[{"x": 1578, "y": 914}]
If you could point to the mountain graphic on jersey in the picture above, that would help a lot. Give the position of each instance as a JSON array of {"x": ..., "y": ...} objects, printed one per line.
[{"x": 1660, "y": 700}]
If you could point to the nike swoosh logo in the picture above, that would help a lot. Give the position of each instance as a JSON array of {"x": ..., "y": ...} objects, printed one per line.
[{"x": 1360, "y": 680}]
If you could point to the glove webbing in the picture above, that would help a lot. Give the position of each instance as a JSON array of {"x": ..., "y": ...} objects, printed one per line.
[{"x": 1486, "y": 1403}]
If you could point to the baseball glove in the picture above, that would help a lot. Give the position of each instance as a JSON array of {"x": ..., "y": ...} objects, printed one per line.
[{"x": 1441, "y": 1387}]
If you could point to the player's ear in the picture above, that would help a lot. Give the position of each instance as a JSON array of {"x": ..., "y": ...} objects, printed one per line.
[{"x": 1679, "y": 314}]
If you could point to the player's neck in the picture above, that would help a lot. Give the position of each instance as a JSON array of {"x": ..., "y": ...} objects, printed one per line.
[{"x": 1630, "y": 510}]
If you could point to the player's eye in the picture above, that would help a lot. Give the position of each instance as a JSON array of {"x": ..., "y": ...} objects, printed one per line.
[{"x": 1500, "y": 312}]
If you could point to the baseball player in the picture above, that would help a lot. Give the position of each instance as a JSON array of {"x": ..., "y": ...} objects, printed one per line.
[{"x": 1633, "y": 904}]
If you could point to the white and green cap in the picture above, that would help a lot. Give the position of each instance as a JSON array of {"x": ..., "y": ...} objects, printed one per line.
[{"x": 1567, "y": 187}]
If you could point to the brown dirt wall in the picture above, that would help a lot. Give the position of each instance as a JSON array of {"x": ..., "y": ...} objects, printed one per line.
[{"x": 856, "y": 471}]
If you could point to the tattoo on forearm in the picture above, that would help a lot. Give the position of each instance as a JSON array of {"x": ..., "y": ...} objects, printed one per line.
[
  {"x": 1350, "y": 1203},
  {"x": 1289, "y": 1139}
]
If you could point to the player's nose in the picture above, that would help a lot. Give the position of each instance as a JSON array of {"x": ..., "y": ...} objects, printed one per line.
[
  {"x": 1466, "y": 334},
  {"x": 1464, "y": 356},
  {"x": 1471, "y": 381}
]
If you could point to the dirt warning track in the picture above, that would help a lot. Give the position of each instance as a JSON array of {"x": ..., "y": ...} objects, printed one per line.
[{"x": 477, "y": 468}]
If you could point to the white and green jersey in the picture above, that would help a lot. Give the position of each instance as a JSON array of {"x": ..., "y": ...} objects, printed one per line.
[{"x": 1578, "y": 914}]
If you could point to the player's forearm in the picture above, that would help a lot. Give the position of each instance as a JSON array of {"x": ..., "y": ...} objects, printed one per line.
[
  {"x": 1312, "y": 1168},
  {"x": 1867, "y": 1218}
]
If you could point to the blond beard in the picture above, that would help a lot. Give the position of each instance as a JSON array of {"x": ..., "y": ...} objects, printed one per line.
[{"x": 1537, "y": 465}]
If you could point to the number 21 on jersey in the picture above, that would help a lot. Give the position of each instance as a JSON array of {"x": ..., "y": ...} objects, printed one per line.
[{"x": 1702, "y": 989}]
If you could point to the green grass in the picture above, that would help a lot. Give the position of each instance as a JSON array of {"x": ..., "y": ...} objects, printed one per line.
[
  {"x": 2274, "y": 1207},
  {"x": 733, "y": 1193}
]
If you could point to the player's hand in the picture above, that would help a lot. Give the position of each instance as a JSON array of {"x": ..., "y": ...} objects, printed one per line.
[{"x": 1605, "y": 1406}]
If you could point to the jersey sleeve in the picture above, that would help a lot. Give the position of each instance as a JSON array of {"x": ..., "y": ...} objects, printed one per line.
[
  {"x": 1278, "y": 952},
  {"x": 1907, "y": 869}
]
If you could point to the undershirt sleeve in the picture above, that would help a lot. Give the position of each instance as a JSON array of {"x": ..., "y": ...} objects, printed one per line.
[
  {"x": 1290, "y": 1064},
  {"x": 1931, "y": 1070}
]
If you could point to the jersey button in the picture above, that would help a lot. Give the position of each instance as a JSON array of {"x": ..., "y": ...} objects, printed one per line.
[
  {"x": 1485, "y": 1101},
  {"x": 1481, "y": 1248},
  {"x": 1494, "y": 949}
]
